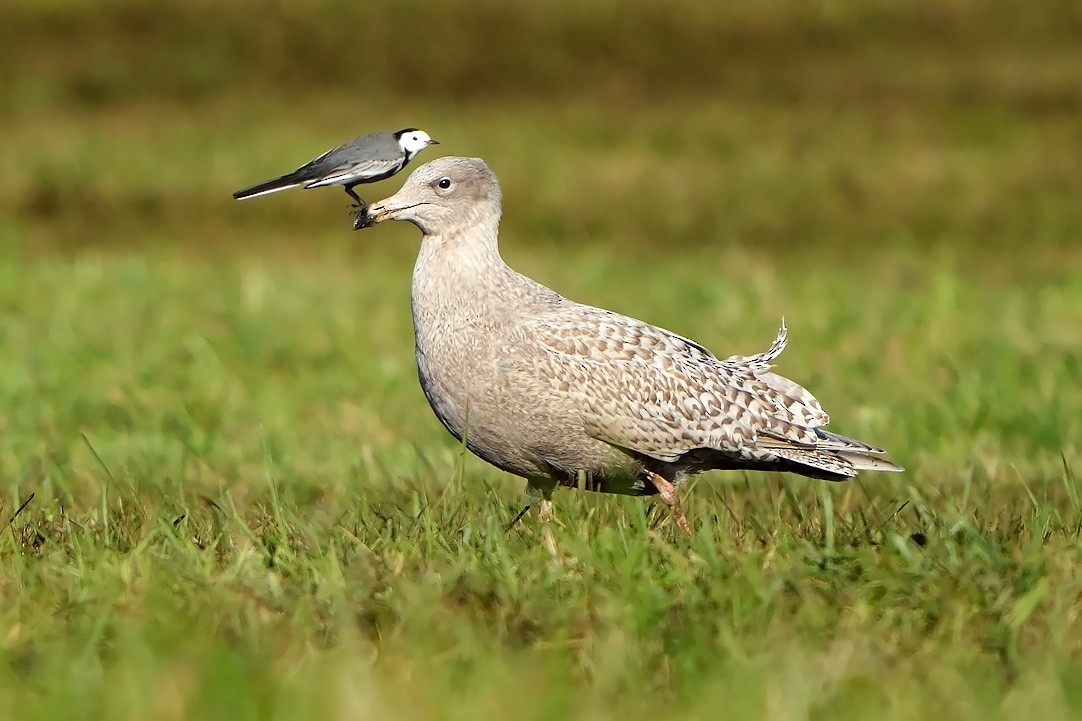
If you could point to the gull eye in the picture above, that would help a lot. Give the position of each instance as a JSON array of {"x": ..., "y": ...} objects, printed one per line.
[{"x": 444, "y": 183}]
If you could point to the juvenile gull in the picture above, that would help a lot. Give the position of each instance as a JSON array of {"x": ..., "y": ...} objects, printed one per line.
[
  {"x": 365, "y": 159},
  {"x": 554, "y": 391}
]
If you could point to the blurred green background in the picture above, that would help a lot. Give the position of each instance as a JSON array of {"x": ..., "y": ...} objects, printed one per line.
[
  {"x": 243, "y": 506},
  {"x": 832, "y": 129}
]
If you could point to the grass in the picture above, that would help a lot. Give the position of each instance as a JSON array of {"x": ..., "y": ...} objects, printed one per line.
[
  {"x": 225, "y": 496},
  {"x": 243, "y": 507}
]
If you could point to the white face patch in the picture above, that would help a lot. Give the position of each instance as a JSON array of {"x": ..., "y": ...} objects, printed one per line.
[{"x": 414, "y": 142}]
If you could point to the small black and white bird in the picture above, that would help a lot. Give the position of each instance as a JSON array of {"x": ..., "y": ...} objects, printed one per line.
[{"x": 366, "y": 159}]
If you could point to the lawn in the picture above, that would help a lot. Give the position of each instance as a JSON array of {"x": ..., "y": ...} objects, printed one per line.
[{"x": 224, "y": 496}]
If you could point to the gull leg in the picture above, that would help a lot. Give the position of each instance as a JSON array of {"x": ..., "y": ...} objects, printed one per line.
[
  {"x": 544, "y": 511},
  {"x": 545, "y": 515},
  {"x": 544, "y": 489},
  {"x": 669, "y": 495}
]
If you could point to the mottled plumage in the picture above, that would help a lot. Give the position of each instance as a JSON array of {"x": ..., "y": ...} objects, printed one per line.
[{"x": 554, "y": 391}]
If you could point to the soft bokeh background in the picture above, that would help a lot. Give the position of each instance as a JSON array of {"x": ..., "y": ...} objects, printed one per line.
[
  {"x": 839, "y": 127},
  {"x": 243, "y": 505}
]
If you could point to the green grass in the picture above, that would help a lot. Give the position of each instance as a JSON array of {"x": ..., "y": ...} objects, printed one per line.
[
  {"x": 243, "y": 507},
  {"x": 239, "y": 506}
]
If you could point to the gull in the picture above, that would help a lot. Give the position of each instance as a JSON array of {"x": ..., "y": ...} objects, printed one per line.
[
  {"x": 562, "y": 393},
  {"x": 366, "y": 159}
]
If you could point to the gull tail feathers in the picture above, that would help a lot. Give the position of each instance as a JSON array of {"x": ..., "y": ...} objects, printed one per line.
[
  {"x": 860, "y": 455},
  {"x": 866, "y": 462},
  {"x": 837, "y": 442},
  {"x": 834, "y": 457},
  {"x": 816, "y": 463}
]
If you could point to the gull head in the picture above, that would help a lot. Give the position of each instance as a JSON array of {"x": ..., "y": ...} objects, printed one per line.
[
  {"x": 445, "y": 196},
  {"x": 413, "y": 141}
]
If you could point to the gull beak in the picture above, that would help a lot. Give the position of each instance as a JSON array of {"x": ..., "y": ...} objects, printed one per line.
[{"x": 375, "y": 213}]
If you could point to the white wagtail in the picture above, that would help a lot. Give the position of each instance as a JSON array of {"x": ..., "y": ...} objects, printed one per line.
[{"x": 365, "y": 159}]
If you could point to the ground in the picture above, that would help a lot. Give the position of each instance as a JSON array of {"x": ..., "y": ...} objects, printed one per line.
[{"x": 224, "y": 494}]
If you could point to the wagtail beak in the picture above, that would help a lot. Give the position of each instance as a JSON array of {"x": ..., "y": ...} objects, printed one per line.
[{"x": 433, "y": 142}]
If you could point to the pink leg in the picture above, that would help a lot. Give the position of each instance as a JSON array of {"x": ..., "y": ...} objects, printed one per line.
[{"x": 668, "y": 494}]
